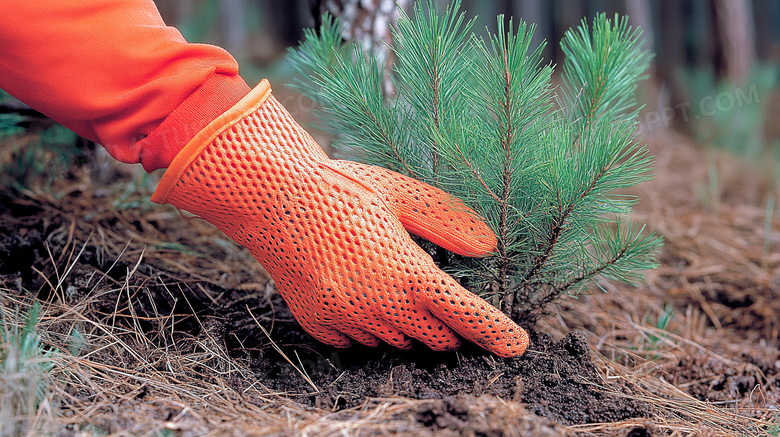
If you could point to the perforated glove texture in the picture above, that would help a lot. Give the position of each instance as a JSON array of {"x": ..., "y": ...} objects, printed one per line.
[{"x": 333, "y": 234}]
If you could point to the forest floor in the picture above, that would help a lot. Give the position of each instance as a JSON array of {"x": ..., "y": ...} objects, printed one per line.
[{"x": 162, "y": 326}]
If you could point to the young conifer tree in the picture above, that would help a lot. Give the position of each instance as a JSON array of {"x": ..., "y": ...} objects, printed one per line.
[{"x": 479, "y": 118}]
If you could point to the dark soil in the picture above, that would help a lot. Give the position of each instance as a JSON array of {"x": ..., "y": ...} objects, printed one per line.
[{"x": 554, "y": 378}]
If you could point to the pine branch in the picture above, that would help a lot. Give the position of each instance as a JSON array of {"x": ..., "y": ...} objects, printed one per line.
[
  {"x": 601, "y": 70},
  {"x": 549, "y": 291},
  {"x": 427, "y": 50},
  {"x": 558, "y": 228},
  {"x": 635, "y": 245},
  {"x": 476, "y": 175},
  {"x": 507, "y": 137},
  {"x": 611, "y": 163},
  {"x": 516, "y": 91},
  {"x": 348, "y": 85}
]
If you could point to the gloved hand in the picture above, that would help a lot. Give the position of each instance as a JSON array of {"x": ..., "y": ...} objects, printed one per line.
[{"x": 331, "y": 233}]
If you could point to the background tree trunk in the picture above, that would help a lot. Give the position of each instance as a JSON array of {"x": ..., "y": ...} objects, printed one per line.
[
  {"x": 640, "y": 16},
  {"x": 367, "y": 22},
  {"x": 736, "y": 28},
  {"x": 232, "y": 27}
]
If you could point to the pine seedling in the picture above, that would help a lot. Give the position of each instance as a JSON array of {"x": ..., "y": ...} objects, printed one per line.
[{"x": 479, "y": 118}]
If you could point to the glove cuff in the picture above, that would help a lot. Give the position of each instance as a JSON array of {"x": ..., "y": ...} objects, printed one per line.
[{"x": 250, "y": 103}]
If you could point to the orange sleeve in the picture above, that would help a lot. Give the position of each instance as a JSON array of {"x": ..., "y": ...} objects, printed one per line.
[{"x": 113, "y": 72}]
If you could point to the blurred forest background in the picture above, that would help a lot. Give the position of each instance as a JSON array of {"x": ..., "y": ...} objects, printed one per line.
[
  {"x": 714, "y": 75},
  {"x": 725, "y": 35}
]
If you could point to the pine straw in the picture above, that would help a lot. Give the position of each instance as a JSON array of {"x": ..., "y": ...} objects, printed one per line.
[{"x": 121, "y": 382}]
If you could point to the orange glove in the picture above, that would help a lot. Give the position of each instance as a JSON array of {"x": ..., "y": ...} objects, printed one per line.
[{"x": 331, "y": 233}]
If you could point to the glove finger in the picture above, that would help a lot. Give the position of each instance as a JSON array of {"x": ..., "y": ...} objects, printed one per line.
[
  {"x": 360, "y": 325},
  {"x": 473, "y": 318},
  {"x": 424, "y": 210},
  {"x": 322, "y": 333},
  {"x": 417, "y": 322},
  {"x": 386, "y": 332},
  {"x": 326, "y": 335},
  {"x": 360, "y": 336},
  {"x": 423, "y": 326}
]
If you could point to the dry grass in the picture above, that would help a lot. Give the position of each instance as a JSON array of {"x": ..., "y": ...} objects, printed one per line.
[{"x": 673, "y": 341}]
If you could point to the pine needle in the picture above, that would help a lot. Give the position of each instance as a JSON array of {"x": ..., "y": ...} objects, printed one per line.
[{"x": 281, "y": 352}]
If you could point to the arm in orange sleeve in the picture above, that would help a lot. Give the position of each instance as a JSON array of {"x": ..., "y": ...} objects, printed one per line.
[{"x": 113, "y": 72}]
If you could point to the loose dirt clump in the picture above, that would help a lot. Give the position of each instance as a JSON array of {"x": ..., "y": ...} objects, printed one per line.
[
  {"x": 467, "y": 415},
  {"x": 716, "y": 379}
]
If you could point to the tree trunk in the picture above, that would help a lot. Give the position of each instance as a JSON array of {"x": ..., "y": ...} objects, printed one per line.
[
  {"x": 232, "y": 28},
  {"x": 367, "y": 22},
  {"x": 640, "y": 15},
  {"x": 535, "y": 12},
  {"x": 737, "y": 30}
]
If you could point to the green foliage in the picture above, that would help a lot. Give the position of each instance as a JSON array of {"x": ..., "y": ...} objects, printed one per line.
[
  {"x": 773, "y": 429},
  {"x": 24, "y": 371},
  {"x": 9, "y": 124},
  {"x": 732, "y": 116},
  {"x": 348, "y": 85},
  {"x": 37, "y": 157},
  {"x": 662, "y": 323},
  {"x": 479, "y": 118},
  {"x": 44, "y": 154},
  {"x": 601, "y": 71}
]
